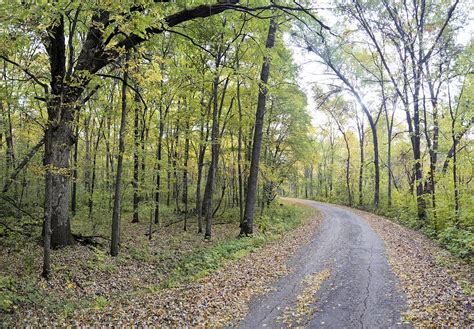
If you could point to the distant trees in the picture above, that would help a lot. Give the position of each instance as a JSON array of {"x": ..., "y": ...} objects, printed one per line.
[{"x": 406, "y": 65}]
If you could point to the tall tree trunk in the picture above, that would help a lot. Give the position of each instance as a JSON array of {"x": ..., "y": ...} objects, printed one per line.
[
  {"x": 94, "y": 162},
  {"x": 174, "y": 164},
  {"x": 47, "y": 219},
  {"x": 389, "y": 156},
  {"x": 433, "y": 144},
  {"x": 185, "y": 175},
  {"x": 247, "y": 227},
  {"x": 453, "y": 115},
  {"x": 239, "y": 159},
  {"x": 58, "y": 141},
  {"x": 360, "y": 128},
  {"x": 200, "y": 162},
  {"x": 375, "y": 141},
  {"x": 74, "y": 172},
  {"x": 389, "y": 125},
  {"x": 136, "y": 160},
  {"x": 115, "y": 240},
  {"x": 87, "y": 160},
  {"x": 416, "y": 138},
  {"x": 455, "y": 181},
  {"x": 211, "y": 175},
  {"x": 168, "y": 166},
  {"x": 158, "y": 168},
  {"x": 161, "y": 129},
  {"x": 348, "y": 168}
]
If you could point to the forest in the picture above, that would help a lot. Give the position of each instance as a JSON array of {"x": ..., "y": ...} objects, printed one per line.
[{"x": 155, "y": 156}]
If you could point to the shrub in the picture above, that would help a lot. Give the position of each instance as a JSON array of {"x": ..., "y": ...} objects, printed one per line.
[{"x": 460, "y": 242}]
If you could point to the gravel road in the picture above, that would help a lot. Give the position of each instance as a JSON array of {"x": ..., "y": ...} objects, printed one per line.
[{"x": 361, "y": 291}]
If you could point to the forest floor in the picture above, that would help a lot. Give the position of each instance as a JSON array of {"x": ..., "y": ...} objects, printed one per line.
[
  {"x": 175, "y": 279},
  {"x": 311, "y": 265}
]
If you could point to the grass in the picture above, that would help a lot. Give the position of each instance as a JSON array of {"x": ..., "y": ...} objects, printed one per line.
[{"x": 200, "y": 263}]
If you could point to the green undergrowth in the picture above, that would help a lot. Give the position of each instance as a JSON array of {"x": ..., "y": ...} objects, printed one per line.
[
  {"x": 171, "y": 258},
  {"x": 459, "y": 241},
  {"x": 277, "y": 221}
]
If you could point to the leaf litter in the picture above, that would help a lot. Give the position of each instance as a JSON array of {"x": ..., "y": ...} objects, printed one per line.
[
  {"x": 90, "y": 288},
  {"x": 439, "y": 287}
]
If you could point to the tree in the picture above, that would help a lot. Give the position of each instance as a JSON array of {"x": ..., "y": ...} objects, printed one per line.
[{"x": 247, "y": 225}]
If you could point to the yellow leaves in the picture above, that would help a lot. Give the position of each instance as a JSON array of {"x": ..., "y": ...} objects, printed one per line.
[
  {"x": 306, "y": 299},
  {"x": 41, "y": 170},
  {"x": 153, "y": 74}
]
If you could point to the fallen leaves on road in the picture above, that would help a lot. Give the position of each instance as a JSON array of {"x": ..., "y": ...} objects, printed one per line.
[
  {"x": 305, "y": 302},
  {"x": 439, "y": 288}
]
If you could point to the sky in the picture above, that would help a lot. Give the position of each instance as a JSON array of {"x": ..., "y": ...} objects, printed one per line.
[{"x": 311, "y": 72}]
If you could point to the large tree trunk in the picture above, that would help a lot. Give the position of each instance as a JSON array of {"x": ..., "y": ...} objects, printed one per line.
[
  {"x": 247, "y": 227},
  {"x": 58, "y": 142}
]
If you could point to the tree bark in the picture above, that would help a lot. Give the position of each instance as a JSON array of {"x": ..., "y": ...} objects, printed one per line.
[
  {"x": 211, "y": 175},
  {"x": 47, "y": 222},
  {"x": 203, "y": 137},
  {"x": 247, "y": 227}
]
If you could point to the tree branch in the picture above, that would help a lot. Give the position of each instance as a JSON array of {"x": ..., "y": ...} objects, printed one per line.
[{"x": 28, "y": 73}]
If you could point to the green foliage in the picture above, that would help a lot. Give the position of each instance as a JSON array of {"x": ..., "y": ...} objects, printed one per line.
[
  {"x": 458, "y": 241},
  {"x": 8, "y": 296},
  {"x": 100, "y": 302},
  {"x": 280, "y": 219},
  {"x": 198, "y": 264},
  {"x": 13, "y": 293}
]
